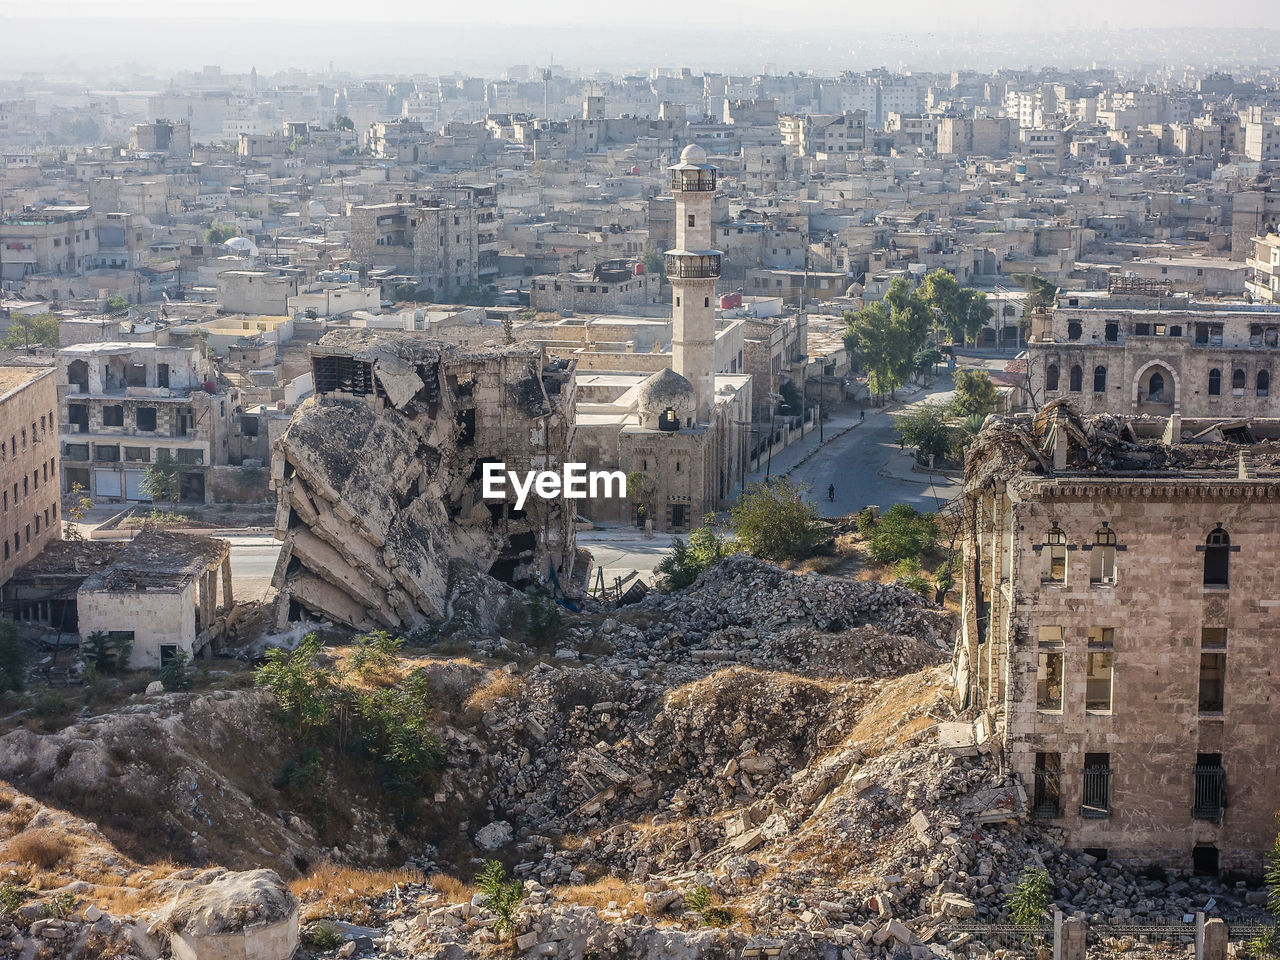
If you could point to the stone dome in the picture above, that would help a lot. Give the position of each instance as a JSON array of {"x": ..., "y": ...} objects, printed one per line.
[
  {"x": 663, "y": 391},
  {"x": 693, "y": 154}
]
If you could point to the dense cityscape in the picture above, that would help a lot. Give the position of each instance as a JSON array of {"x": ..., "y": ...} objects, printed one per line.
[{"x": 792, "y": 504}]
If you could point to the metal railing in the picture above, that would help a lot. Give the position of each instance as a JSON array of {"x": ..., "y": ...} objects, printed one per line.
[
  {"x": 1022, "y": 941},
  {"x": 693, "y": 268},
  {"x": 693, "y": 181},
  {"x": 1211, "y": 793},
  {"x": 1096, "y": 800}
]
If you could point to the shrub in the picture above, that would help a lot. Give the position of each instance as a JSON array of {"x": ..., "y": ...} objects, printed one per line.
[
  {"x": 975, "y": 394},
  {"x": 502, "y": 897},
  {"x": 325, "y": 936},
  {"x": 909, "y": 574},
  {"x": 1028, "y": 903},
  {"x": 40, "y": 847},
  {"x": 12, "y": 896},
  {"x": 13, "y": 656},
  {"x": 903, "y": 533},
  {"x": 688, "y": 558},
  {"x": 374, "y": 653},
  {"x": 58, "y": 906},
  {"x": 544, "y": 618},
  {"x": 925, "y": 428},
  {"x": 174, "y": 674},
  {"x": 700, "y": 901},
  {"x": 774, "y": 521},
  {"x": 107, "y": 652}
]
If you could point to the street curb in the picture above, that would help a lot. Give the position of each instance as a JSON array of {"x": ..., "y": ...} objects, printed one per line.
[{"x": 803, "y": 460}]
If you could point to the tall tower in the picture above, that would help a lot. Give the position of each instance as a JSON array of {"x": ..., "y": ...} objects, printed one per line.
[{"x": 693, "y": 269}]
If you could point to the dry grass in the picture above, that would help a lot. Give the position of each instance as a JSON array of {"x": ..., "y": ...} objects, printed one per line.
[
  {"x": 452, "y": 889},
  {"x": 848, "y": 545},
  {"x": 42, "y": 848},
  {"x": 499, "y": 686},
  {"x": 603, "y": 892},
  {"x": 822, "y": 563},
  {"x": 334, "y": 890}
]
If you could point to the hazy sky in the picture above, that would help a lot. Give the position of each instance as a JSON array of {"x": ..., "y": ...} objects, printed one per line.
[{"x": 914, "y": 16}]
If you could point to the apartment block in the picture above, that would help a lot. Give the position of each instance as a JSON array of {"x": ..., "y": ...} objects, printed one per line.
[{"x": 29, "y": 499}]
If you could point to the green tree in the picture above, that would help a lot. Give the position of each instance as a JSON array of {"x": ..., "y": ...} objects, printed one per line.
[
  {"x": 219, "y": 233},
  {"x": 977, "y": 312},
  {"x": 654, "y": 262},
  {"x": 774, "y": 521},
  {"x": 374, "y": 653},
  {"x": 107, "y": 652},
  {"x": 924, "y": 426},
  {"x": 641, "y": 489},
  {"x": 1028, "y": 902},
  {"x": 924, "y": 361},
  {"x": 502, "y": 896},
  {"x": 882, "y": 346},
  {"x": 161, "y": 482},
  {"x": 174, "y": 674},
  {"x": 910, "y": 311},
  {"x": 902, "y": 533},
  {"x": 975, "y": 394},
  {"x": 791, "y": 398},
  {"x": 343, "y": 122},
  {"x": 13, "y": 656},
  {"x": 27, "y": 331},
  {"x": 477, "y": 294},
  {"x": 116, "y": 304},
  {"x": 544, "y": 619},
  {"x": 942, "y": 292},
  {"x": 299, "y": 684},
  {"x": 688, "y": 558}
]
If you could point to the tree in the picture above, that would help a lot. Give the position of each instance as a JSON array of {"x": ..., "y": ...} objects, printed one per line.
[
  {"x": 942, "y": 292},
  {"x": 299, "y": 684},
  {"x": 544, "y": 619},
  {"x": 924, "y": 361},
  {"x": 161, "y": 482},
  {"x": 774, "y": 521},
  {"x": 924, "y": 426},
  {"x": 688, "y": 558},
  {"x": 174, "y": 674},
  {"x": 477, "y": 294},
  {"x": 1028, "y": 903},
  {"x": 116, "y": 304},
  {"x": 219, "y": 233},
  {"x": 343, "y": 122},
  {"x": 791, "y": 398},
  {"x": 13, "y": 656},
  {"x": 882, "y": 346},
  {"x": 72, "y": 516},
  {"x": 374, "y": 653},
  {"x": 978, "y": 312},
  {"x": 27, "y": 331},
  {"x": 502, "y": 896},
  {"x": 107, "y": 652},
  {"x": 641, "y": 489},
  {"x": 909, "y": 311},
  {"x": 654, "y": 262},
  {"x": 903, "y": 533},
  {"x": 975, "y": 394}
]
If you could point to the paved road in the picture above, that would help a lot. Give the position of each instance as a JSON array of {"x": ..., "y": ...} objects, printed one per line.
[
  {"x": 620, "y": 550},
  {"x": 253, "y": 560},
  {"x": 867, "y": 467}
]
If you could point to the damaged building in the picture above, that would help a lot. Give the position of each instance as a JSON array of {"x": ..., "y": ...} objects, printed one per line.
[
  {"x": 1150, "y": 737},
  {"x": 379, "y": 478}
]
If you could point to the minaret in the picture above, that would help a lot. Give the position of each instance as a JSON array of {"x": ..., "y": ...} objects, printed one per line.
[{"x": 693, "y": 269}]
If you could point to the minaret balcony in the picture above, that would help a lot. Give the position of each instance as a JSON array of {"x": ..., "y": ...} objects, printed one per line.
[
  {"x": 699, "y": 180},
  {"x": 693, "y": 266}
]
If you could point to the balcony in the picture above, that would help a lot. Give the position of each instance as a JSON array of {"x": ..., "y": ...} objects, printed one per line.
[
  {"x": 693, "y": 181},
  {"x": 684, "y": 266},
  {"x": 1211, "y": 793}
]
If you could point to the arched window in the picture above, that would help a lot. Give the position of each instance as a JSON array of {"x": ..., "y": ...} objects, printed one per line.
[
  {"x": 1099, "y": 379},
  {"x": 1077, "y": 379},
  {"x": 1053, "y": 563},
  {"x": 1215, "y": 382},
  {"x": 1073, "y": 330},
  {"x": 1051, "y": 377},
  {"x": 1237, "y": 383},
  {"x": 1102, "y": 559},
  {"x": 1112, "y": 332},
  {"x": 1175, "y": 330},
  {"x": 1264, "y": 383},
  {"x": 1217, "y": 551},
  {"x": 1255, "y": 335},
  {"x": 1155, "y": 388}
]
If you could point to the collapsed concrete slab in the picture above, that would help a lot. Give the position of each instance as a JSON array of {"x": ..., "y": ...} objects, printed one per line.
[
  {"x": 378, "y": 479},
  {"x": 232, "y": 916}
]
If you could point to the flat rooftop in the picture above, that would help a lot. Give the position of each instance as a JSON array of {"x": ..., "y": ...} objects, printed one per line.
[{"x": 13, "y": 379}]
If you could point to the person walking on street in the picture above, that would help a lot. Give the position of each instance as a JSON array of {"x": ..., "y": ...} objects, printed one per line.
[{"x": 831, "y": 492}]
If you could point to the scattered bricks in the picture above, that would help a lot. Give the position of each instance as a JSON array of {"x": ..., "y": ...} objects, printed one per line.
[
  {"x": 899, "y": 931},
  {"x": 920, "y": 824},
  {"x": 962, "y": 908},
  {"x": 526, "y": 940}
]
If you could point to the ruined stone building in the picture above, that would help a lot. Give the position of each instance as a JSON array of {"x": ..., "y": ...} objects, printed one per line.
[
  {"x": 434, "y": 242},
  {"x": 1144, "y": 352},
  {"x": 162, "y": 593},
  {"x": 379, "y": 478},
  {"x": 1119, "y": 631},
  {"x": 128, "y": 407},
  {"x": 28, "y": 465}
]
